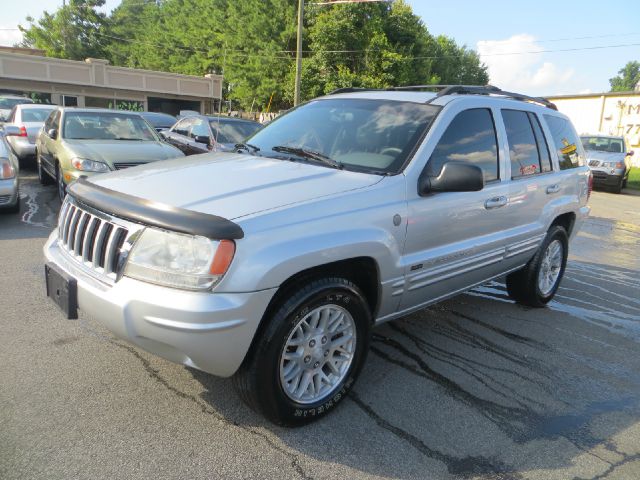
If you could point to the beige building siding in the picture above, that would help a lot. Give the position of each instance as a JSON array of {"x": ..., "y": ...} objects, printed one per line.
[
  {"x": 606, "y": 113},
  {"x": 96, "y": 78}
]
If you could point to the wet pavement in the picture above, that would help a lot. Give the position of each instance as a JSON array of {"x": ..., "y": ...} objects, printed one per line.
[{"x": 474, "y": 387}]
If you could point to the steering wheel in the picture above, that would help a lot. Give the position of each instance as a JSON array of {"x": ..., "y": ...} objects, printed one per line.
[{"x": 392, "y": 151}]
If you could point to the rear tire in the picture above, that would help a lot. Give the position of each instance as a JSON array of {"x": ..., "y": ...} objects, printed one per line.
[
  {"x": 537, "y": 282},
  {"x": 309, "y": 354}
]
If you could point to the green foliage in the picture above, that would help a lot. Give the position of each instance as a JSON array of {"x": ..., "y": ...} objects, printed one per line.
[
  {"x": 634, "y": 179},
  {"x": 627, "y": 78},
  {"x": 73, "y": 31},
  {"x": 252, "y": 43}
]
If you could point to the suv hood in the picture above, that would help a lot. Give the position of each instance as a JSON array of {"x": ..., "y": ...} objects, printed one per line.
[
  {"x": 116, "y": 151},
  {"x": 232, "y": 185},
  {"x": 605, "y": 156}
]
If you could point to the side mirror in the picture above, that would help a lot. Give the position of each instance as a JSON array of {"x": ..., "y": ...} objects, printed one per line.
[
  {"x": 52, "y": 133},
  {"x": 630, "y": 153},
  {"x": 11, "y": 131},
  {"x": 202, "y": 139},
  {"x": 453, "y": 177}
]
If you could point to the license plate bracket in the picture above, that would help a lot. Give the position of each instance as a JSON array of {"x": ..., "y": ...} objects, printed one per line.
[{"x": 62, "y": 288}]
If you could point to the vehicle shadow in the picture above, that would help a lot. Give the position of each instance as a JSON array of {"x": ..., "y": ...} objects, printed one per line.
[{"x": 478, "y": 385}]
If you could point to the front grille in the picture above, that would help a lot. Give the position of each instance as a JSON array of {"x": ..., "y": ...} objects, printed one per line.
[
  {"x": 90, "y": 239},
  {"x": 4, "y": 199},
  {"x": 594, "y": 163},
  {"x": 123, "y": 165}
]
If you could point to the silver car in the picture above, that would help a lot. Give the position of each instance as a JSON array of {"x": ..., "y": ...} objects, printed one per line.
[
  {"x": 273, "y": 265},
  {"x": 607, "y": 157},
  {"x": 28, "y": 119},
  {"x": 9, "y": 181}
]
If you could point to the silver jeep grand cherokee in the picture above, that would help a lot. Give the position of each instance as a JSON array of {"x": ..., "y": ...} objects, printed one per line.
[{"x": 273, "y": 264}]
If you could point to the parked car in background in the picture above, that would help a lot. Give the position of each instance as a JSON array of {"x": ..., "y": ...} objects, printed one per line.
[
  {"x": 607, "y": 158},
  {"x": 274, "y": 263},
  {"x": 9, "y": 181},
  {"x": 203, "y": 133},
  {"x": 159, "y": 121},
  {"x": 28, "y": 118},
  {"x": 7, "y": 102},
  {"x": 78, "y": 142}
]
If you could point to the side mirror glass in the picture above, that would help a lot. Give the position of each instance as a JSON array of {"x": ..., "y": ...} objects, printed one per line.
[
  {"x": 11, "y": 131},
  {"x": 453, "y": 177},
  {"x": 52, "y": 133},
  {"x": 202, "y": 139},
  {"x": 630, "y": 153}
]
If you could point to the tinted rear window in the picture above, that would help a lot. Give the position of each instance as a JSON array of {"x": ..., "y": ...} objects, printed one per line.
[{"x": 566, "y": 142}]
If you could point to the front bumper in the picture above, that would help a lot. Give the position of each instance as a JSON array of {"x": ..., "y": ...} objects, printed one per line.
[
  {"x": 208, "y": 331},
  {"x": 605, "y": 179},
  {"x": 22, "y": 147},
  {"x": 9, "y": 192}
]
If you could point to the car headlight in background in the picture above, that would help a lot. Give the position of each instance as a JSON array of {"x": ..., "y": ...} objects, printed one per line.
[
  {"x": 6, "y": 169},
  {"x": 89, "y": 165},
  {"x": 178, "y": 260}
]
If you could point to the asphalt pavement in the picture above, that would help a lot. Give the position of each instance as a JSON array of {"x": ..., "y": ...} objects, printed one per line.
[{"x": 474, "y": 387}]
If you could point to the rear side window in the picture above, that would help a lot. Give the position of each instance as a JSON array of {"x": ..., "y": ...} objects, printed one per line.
[
  {"x": 543, "y": 148},
  {"x": 566, "y": 142},
  {"x": 523, "y": 148},
  {"x": 470, "y": 137}
]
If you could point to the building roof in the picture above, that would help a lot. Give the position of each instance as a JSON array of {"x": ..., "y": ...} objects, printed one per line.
[{"x": 592, "y": 95}]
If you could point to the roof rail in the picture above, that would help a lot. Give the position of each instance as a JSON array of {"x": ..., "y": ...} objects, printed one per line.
[{"x": 457, "y": 90}]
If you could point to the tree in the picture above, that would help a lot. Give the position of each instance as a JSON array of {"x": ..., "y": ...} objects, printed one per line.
[
  {"x": 73, "y": 31},
  {"x": 627, "y": 78}
]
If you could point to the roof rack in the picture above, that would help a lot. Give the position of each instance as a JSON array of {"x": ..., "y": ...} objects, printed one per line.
[{"x": 457, "y": 90}]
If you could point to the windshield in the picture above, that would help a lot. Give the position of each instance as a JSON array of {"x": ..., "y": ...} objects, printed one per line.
[
  {"x": 603, "y": 144},
  {"x": 232, "y": 132},
  {"x": 35, "y": 114},
  {"x": 106, "y": 126},
  {"x": 375, "y": 136},
  {"x": 7, "y": 103}
]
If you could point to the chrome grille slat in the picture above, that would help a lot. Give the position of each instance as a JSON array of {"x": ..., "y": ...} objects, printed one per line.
[
  {"x": 98, "y": 244},
  {"x": 92, "y": 239},
  {"x": 72, "y": 229},
  {"x": 67, "y": 223},
  {"x": 112, "y": 247},
  {"x": 80, "y": 233},
  {"x": 89, "y": 237}
]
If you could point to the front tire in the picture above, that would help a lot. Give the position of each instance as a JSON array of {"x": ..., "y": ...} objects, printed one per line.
[
  {"x": 43, "y": 176},
  {"x": 537, "y": 282},
  {"x": 62, "y": 187},
  {"x": 310, "y": 353}
]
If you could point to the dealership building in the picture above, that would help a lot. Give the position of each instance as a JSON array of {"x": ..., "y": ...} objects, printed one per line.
[
  {"x": 611, "y": 113},
  {"x": 95, "y": 83}
]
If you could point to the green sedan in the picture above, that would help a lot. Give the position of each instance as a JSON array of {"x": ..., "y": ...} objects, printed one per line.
[{"x": 78, "y": 142}]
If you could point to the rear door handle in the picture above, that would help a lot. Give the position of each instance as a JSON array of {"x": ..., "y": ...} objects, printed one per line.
[
  {"x": 553, "y": 188},
  {"x": 495, "y": 202}
]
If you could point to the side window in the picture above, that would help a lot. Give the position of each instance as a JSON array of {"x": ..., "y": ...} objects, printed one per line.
[
  {"x": 523, "y": 149},
  {"x": 543, "y": 148},
  {"x": 470, "y": 137},
  {"x": 48, "y": 124},
  {"x": 566, "y": 142},
  {"x": 182, "y": 127},
  {"x": 199, "y": 128}
]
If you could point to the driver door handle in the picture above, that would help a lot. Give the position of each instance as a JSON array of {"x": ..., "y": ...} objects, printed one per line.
[
  {"x": 555, "y": 188},
  {"x": 495, "y": 202}
]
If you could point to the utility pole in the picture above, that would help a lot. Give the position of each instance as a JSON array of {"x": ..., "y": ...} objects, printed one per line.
[{"x": 296, "y": 96}]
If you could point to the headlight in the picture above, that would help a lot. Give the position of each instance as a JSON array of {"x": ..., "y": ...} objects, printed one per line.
[
  {"x": 6, "y": 169},
  {"x": 89, "y": 165},
  {"x": 178, "y": 260}
]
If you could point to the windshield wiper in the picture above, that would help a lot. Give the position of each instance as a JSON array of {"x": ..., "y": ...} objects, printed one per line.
[
  {"x": 127, "y": 138},
  {"x": 310, "y": 154},
  {"x": 252, "y": 149}
]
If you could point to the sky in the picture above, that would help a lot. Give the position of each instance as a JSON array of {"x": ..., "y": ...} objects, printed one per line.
[{"x": 537, "y": 48}]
